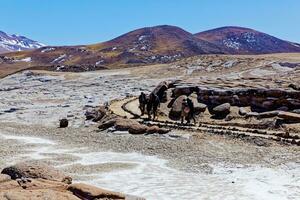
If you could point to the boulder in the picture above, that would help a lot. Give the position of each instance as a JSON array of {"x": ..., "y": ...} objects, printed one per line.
[
  {"x": 21, "y": 194},
  {"x": 199, "y": 107},
  {"x": 36, "y": 169},
  {"x": 221, "y": 111},
  {"x": 37, "y": 181},
  {"x": 84, "y": 191},
  {"x": 137, "y": 129},
  {"x": 156, "y": 129},
  {"x": 175, "y": 112},
  {"x": 184, "y": 90},
  {"x": 96, "y": 114},
  {"x": 123, "y": 124},
  {"x": 63, "y": 123},
  {"x": 243, "y": 111}
]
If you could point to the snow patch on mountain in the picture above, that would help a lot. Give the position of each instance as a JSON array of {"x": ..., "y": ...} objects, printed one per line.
[
  {"x": 59, "y": 59},
  {"x": 17, "y": 43},
  {"x": 48, "y": 49},
  {"x": 232, "y": 43}
]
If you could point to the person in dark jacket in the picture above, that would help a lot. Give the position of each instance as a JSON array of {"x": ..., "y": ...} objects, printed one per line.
[
  {"x": 142, "y": 102},
  {"x": 191, "y": 114}
]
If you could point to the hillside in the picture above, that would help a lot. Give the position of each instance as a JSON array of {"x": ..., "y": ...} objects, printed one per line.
[
  {"x": 147, "y": 46},
  {"x": 238, "y": 40}
]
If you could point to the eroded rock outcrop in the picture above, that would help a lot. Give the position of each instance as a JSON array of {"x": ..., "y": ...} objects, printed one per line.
[
  {"x": 259, "y": 99},
  {"x": 118, "y": 123},
  {"x": 35, "y": 169},
  {"x": 38, "y": 181}
]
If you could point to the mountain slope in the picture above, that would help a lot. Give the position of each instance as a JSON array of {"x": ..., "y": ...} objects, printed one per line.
[
  {"x": 238, "y": 40},
  {"x": 9, "y": 43},
  {"x": 150, "y": 45},
  {"x": 155, "y": 44}
]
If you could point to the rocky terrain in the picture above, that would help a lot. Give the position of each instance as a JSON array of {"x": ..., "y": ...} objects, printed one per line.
[
  {"x": 35, "y": 180},
  {"x": 229, "y": 157}
]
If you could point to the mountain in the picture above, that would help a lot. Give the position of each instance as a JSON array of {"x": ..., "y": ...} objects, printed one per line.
[
  {"x": 238, "y": 40},
  {"x": 149, "y": 45},
  {"x": 9, "y": 43},
  {"x": 159, "y": 44}
]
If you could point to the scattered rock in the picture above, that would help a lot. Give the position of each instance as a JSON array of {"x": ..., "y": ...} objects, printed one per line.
[
  {"x": 63, "y": 123},
  {"x": 221, "y": 111}
]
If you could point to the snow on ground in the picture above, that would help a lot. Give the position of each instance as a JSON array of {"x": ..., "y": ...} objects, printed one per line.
[
  {"x": 27, "y": 59},
  {"x": 150, "y": 177}
]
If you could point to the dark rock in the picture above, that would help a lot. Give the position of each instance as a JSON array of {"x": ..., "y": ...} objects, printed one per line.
[
  {"x": 11, "y": 110},
  {"x": 294, "y": 86},
  {"x": 221, "y": 111},
  {"x": 63, "y": 123}
]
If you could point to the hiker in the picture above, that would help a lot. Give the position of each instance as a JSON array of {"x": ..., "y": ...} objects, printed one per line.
[
  {"x": 185, "y": 110},
  {"x": 152, "y": 105},
  {"x": 142, "y": 102},
  {"x": 191, "y": 114}
]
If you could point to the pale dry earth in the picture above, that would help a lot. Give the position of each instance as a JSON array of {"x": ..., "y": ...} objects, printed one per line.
[{"x": 179, "y": 165}]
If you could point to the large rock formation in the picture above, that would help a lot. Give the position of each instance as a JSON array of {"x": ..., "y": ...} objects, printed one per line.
[
  {"x": 110, "y": 120},
  {"x": 35, "y": 170},
  {"x": 37, "y": 181}
]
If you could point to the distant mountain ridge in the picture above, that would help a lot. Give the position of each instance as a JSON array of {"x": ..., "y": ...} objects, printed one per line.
[
  {"x": 239, "y": 40},
  {"x": 152, "y": 45},
  {"x": 10, "y": 43}
]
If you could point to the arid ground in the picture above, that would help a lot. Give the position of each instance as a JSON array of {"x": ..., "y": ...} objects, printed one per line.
[{"x": 182, "y": 164}]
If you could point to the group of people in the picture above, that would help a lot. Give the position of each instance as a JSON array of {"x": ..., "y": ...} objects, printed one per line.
[{"x": 151, "y": 104}]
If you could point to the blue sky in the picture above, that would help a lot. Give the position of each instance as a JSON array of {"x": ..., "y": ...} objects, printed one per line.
[{"x": 68, "y": 22}]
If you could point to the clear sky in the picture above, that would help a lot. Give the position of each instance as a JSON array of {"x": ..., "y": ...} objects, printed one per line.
[{"x": 68, "y": 22}]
